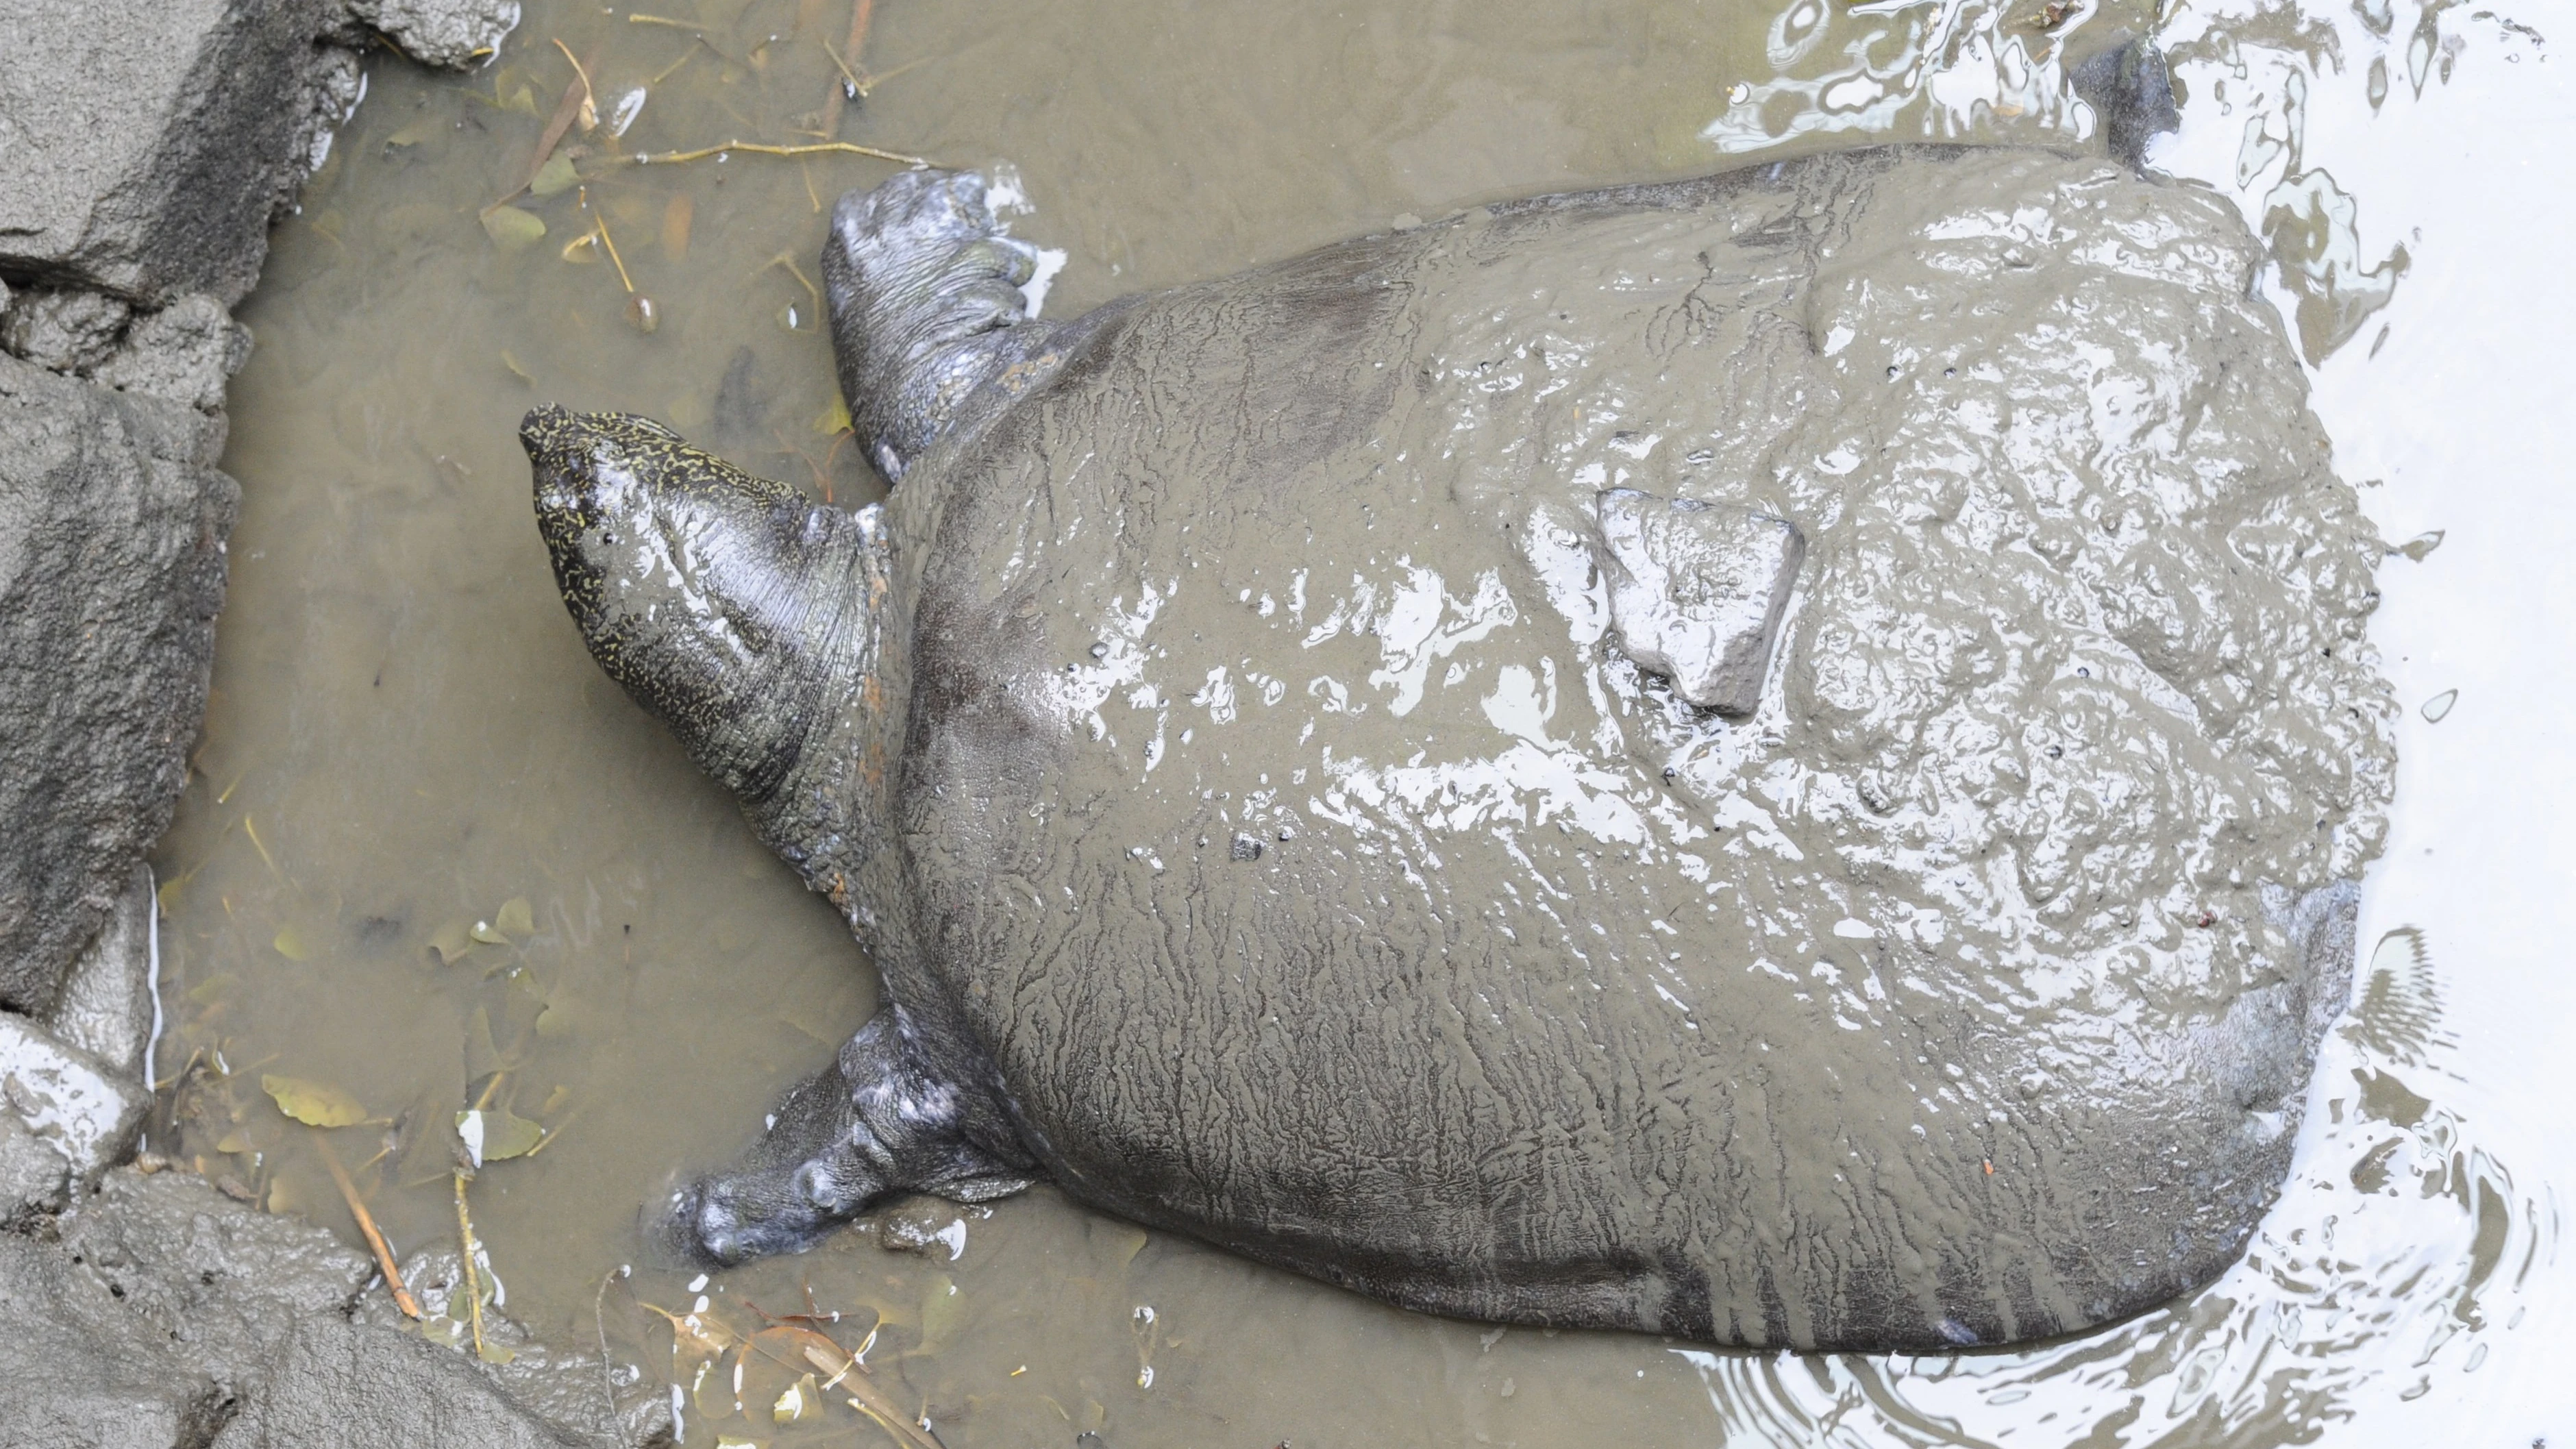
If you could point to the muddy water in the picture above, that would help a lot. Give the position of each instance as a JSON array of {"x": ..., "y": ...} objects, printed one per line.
[{"x": 407, "y": 741}]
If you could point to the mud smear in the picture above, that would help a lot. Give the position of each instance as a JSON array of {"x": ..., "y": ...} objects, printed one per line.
[{"x": 406, "y": 735}]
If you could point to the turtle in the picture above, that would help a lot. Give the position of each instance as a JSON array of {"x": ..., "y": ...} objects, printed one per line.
[{"x": 1778, "y": 759}]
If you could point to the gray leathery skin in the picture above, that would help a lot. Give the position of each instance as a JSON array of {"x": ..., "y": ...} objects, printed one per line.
[{"x": 1964, "y": 993}]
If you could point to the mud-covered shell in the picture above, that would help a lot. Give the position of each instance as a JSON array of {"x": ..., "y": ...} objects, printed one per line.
[{"x": 1281, "y": 819}]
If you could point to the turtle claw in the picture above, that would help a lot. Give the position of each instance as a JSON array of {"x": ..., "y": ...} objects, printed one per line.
[{"x": 924, "y": 292}]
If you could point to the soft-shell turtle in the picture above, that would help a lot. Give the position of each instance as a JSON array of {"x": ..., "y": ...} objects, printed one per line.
[{"x": 1775, "y": 759}]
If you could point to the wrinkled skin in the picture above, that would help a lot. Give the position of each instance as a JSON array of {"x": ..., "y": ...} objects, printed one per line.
[{"x": 1223, "y": 744}]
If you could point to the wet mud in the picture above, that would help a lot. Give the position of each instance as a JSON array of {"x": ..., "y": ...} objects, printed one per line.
[{"x": 431, "y": 858}]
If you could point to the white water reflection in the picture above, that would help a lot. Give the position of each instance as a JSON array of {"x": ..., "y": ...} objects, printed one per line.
[
  {"x": 2408, "y": 1288},
  {"x": 1943, "y": 71}
]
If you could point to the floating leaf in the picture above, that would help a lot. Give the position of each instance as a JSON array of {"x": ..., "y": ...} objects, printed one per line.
[
  {"x": 517, "y": 917},
  {"x": 492, "y": 1135},
  {"x": 521, "y": 99},
  {"x": 315, "y": 1104},
  {"x": 582, "y": 250},
  {"x": 556, "y": 175},
  {"x": 484, "y": 933},
  {"x": 553, "y": 1022},
  {"x": 415, "y": 133},
  {"x": 521, "y": 373},
  {"x": 493, "y": 1353},
  {"x": 234, "y": 1142},
  {"x": 834, "y": 419},
  {"x": 451, "y": 940},
  {"x": 290, "y": 944},
  {"x": 513, "y": 228}
]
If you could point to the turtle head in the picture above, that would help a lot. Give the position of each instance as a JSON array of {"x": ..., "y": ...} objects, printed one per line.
[{"x": 730, "y": 606}]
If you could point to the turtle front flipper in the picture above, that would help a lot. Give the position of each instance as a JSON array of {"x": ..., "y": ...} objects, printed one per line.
[
  {"x": 929, "y": 329},
  {"x": 870, "y": 1125}
]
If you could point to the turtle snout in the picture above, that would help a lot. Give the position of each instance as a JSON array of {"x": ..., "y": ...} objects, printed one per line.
[{"x": 558, "y": 446}]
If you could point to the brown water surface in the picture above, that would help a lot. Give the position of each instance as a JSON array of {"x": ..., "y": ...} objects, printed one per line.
[{"x": 432, "y": 860}]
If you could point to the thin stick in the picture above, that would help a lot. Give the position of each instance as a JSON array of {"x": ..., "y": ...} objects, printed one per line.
[
  {"x": 599, "y": 1320},
  {"x": 600, "y": 220},
  {"x": 640, "y": 18},
  {"x": 473, "y": 1279},
  {"x": 860, "y": 11},
  {"x": 589, "y": 97},
  {"x": 367, "y": 1225},
  {"x": 858, "y": 86},
  {"x": 669, "y": 158}
]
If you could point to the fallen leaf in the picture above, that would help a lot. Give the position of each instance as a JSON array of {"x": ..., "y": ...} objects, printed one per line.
[
  {"x": 493, "y": 1135},
  {"x": 556, "y": 175},
  {"x": 834, "y": 419},
  {"x": 451, "y": 940},
  {"x": 513, "y": 228},
  {"x": 484, "y": 933},
  {"x": 517, "y": 917},
  {"x": 290, "y": 944},
  {"x": 315, "y": 1104},
  {"x": 802, "y": 1400}
]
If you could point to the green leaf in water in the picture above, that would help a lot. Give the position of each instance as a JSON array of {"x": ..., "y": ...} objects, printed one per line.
[
  {"x": 452, "y": 940},
  {"x": 315, "y": 1104},
  {"x": 517, "y": 917},
  {"x": 290, "y": 944},
  {"x": 484, "y": 932},
  {"x": 556, "y": 175},
  {"x": 493, "y": 1135},
  {"x": 513, "y": 228}
]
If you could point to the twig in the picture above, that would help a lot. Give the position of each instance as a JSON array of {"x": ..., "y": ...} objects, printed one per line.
[
  {"x": 599, "y": 1320},
  {"x": 856, "y": 85},
  {"x": 860, "y": 11},
  {"x": 601, "y": 221},
  {"x": 787, "y": 260},
  {"x": 668, "y": 158},
  {"x": 589, "y": 97},
  {"x": 367, "y": 1225},
  {"x": 473, "y": 1279}
]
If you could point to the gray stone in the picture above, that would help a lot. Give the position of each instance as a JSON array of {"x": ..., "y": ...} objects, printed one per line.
[
  {"x": 71, "y": 1101},
  {"x": 1697, "y": 591},
  {"x": 112, "y": 528},
  {"x": 151, "y": 141},
  {"x": 185, "y": 352},
  {"x": 81, "y": 1373},
  {"x": 68, "y": 331},
  {"x": 106, "y": 1004},
  {"x": 163, "y": 1314},
  {"x": 359, "y": 1385},
  {"x": 34, "y": 1178},
  {"x": 451, "y": 33}
]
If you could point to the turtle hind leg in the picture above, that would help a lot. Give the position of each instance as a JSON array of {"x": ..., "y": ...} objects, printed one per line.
[
  {"x": 870, "y": 1125},
  {"x": 926, "y": 310}
]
